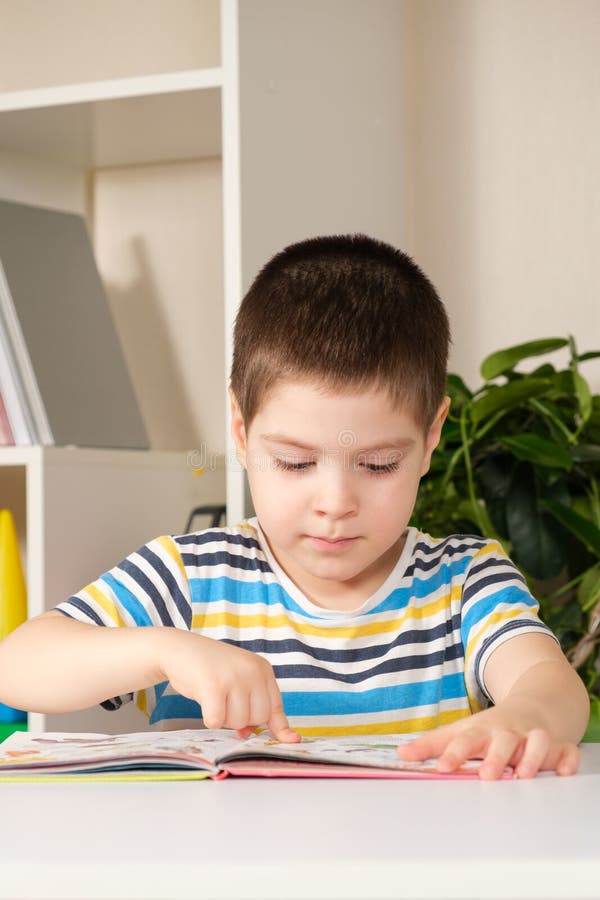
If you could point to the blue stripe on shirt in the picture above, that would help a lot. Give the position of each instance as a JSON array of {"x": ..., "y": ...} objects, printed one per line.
[
  {"x": 209, "y": 590},
  {"x": 332, "y": 703},
  {"x": 174, "y": 706},
  {"x": 243, "y": 593},
  {"x": 382, "y": 699},
  {"x": 487, "y": 605},
  {"x": 127, "y": 600}
]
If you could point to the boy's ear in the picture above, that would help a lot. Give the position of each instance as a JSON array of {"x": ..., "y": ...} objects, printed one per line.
[
  {"x": 434, "y": 433},
  {"x": 238, "y": 429}
]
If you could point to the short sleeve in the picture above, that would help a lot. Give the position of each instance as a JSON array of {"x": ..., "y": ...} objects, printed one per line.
[
  {"x": 496, "y": 606},
  {"x": 149, "y": 587}
]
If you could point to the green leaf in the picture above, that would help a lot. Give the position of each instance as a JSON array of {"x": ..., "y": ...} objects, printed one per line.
[
  {"x": 466, "y": 510},
  {"x": 457, "y": 389},
  {"x": 503, "y": 360},
  {"x": 592, "y": 732},
  {"x": 586, "y": 453},
  {"x": 582, "y": 528},
  {"x": 535, "y": 449},
  {"x": 495, "y": 475},
  {"x": 589, "y": 589},
  {"x": 595, "y": 354},
  {"x": 584, "y": 396},
  {"x": 538, "y": 545},
  {"x": 546, "y": 370},
  {"x": 450, "y": 434},
  {"x": 563, "y": 383},
  {"x": 507, "y": 397}
]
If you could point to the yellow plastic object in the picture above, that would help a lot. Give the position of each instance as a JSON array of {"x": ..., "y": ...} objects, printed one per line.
[{"x": 13, "y": 594}]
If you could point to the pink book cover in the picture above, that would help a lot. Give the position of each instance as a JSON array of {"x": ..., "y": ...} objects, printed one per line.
[
  {"x": 6, "y": 436},
  {"x": 280, "y": 768}
]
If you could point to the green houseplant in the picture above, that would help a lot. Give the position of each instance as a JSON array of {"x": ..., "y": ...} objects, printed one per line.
[{"x": 519, "y": 461}]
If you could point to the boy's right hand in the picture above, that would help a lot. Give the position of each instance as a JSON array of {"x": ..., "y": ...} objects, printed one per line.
[{"x": 235, "y": 688}]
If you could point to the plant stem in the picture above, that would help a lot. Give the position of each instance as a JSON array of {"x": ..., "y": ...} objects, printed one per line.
[
  {"x": 489, "y": 425},
  {"x": 560, "y": 425},
  {"x": 563, "y": 590},
  {"x": 451, "y": 467},
  {"x": 469, "y": 471},
  {"x": 595, "y": 501}
]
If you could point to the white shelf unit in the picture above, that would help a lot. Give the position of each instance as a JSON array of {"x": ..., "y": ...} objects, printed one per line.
[
  {"x": 303, "y": 112},
  {"x": 80, "y": 511},
  {"x": 296, "y": 106}
]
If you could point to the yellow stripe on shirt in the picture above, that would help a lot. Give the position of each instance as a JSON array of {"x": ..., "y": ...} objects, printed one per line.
[
  {"x": 399, "y": 726},
  {"x": 106, "y": 603},
  {"x": 167, "y": 544},
  {"x": 202, "y": 621},
  {"x": 492, "y": 619}
]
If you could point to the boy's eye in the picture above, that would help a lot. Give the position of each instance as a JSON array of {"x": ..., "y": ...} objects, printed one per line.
[
  {"x": 382, "y": 470},
  {"x": 378, "y": 463},
  {"x": 289, "y": 465}
]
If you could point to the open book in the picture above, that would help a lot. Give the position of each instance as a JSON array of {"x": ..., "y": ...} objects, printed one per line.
[{"x": 202, "y": 753}]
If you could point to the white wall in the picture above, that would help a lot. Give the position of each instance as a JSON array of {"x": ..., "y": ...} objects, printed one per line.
[
  {"x": 497, "y": 198},
  {"x": 85, "y": 40},
  {"x": 503, "y": 168},
  {"x": 158, "y": 242},
  {"x": 35, "y": 181},
  {"x": 321, "y": 105}
]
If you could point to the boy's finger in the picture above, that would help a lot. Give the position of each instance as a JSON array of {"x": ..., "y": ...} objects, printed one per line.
[
  {"x": 501, "y": 749},
  {"x": 260, "y": 706},
  {"x": 279, "y": 727},
  {"x": 237, "y": 714},
  {"x": 425, "y": 747},
  {"x": 213, "y": 710},
  {"x": 466, "y": 745},
  {"x": 278, "y": 724},
  {"x": 534, "y": 754},
  {"x": 245, "y": 733},
  {"x": 569, "y": 760}
]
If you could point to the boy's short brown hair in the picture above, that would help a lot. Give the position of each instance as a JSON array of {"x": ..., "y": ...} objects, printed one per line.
[{"x": 346, "y": 312}]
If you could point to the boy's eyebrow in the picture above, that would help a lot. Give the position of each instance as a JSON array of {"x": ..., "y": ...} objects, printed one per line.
[{"x": 394, "y": 444}]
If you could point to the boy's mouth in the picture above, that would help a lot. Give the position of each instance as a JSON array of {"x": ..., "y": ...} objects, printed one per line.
[{"x": 331, "y": 544}]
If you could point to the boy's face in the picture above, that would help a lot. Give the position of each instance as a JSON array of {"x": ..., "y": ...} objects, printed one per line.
[{"x": 334, "y": 478}]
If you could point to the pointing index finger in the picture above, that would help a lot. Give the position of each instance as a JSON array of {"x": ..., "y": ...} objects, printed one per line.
[
  {"x": 279, "y": 727},
  {"x": 278, "y": 724}
]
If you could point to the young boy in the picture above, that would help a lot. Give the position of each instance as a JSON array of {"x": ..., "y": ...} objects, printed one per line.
[{"x": 326, "y": 613}]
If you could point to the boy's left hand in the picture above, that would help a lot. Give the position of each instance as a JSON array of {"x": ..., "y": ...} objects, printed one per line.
[
  {"x": 496, "y": 736},
  {"x": 541, "y": 709}
]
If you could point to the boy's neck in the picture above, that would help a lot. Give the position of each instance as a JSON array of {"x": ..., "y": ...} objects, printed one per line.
[{"x": 348, "y": 595}]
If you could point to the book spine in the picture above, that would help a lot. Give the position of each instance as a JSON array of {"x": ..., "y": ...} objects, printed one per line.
[
  {"x": 22, "y": 362},
  {"x": 17, "y": 411}
]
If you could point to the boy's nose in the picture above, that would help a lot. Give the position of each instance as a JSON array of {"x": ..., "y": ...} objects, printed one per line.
[{"x": 335, "y": 497}]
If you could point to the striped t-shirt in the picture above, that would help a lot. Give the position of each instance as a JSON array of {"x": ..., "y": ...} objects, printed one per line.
[{"x": 412, "y": 657}]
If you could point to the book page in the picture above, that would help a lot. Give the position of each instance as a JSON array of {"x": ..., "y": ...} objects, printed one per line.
[
  {"x": 372, "y": 750},
  {"x": 200, "y": 750},
  {"x": 70, "y": 752}
]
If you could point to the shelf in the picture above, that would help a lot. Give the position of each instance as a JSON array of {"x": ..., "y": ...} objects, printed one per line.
[
  {"x": 18, "y": 456},
  {"x": 118, "y": 122},
  {"x": 106, "y": 501},
  {"x": 22, "y": 456},
  {"x": 79, "y": 511}
]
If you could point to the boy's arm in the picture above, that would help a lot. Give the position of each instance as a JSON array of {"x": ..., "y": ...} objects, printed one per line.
[
  {"x": 540, "y": 713},
  {"x": 54, "y": 664}
]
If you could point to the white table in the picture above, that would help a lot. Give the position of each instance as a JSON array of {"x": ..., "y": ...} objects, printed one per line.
[{"x": 298, "y": 839}]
